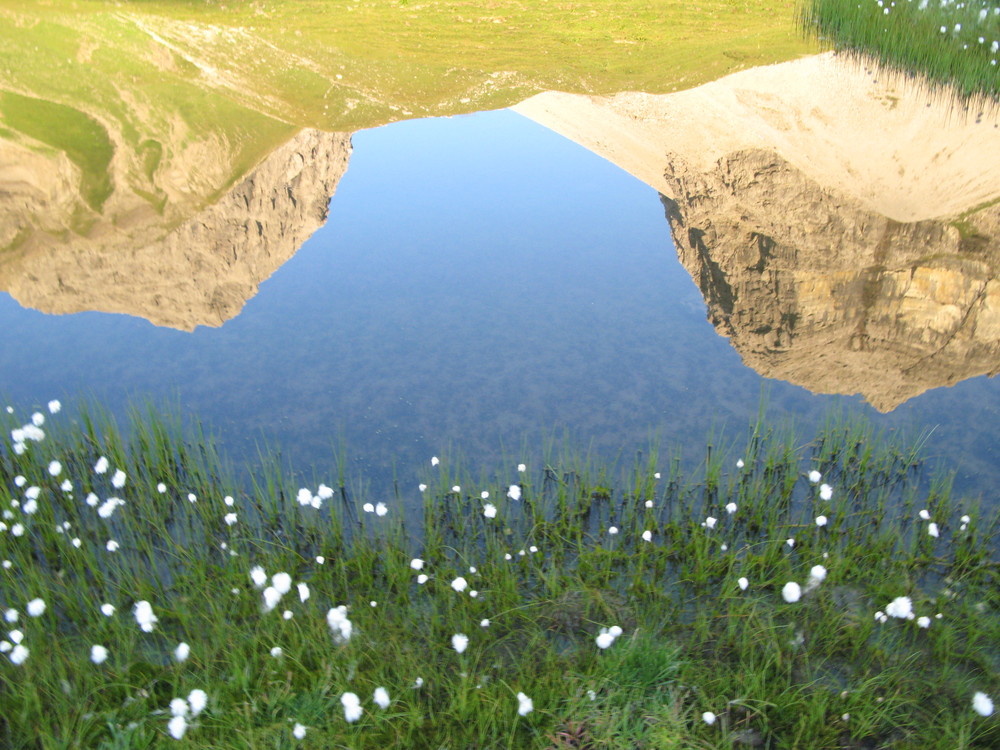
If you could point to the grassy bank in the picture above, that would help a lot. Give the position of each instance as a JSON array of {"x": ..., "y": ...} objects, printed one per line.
[
  {"x": 491, "y": 621},
  {"x": 953, "y": 44}
]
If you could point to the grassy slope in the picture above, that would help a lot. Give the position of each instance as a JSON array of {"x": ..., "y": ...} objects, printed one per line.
[{"x": 158, "y": 76}]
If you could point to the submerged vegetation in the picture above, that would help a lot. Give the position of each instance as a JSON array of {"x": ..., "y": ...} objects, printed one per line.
[
  {"x": 824, "y": 595},
  {"x": 953, "y": 44}
]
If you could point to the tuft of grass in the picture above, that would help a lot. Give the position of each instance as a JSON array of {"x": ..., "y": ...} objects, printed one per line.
[
  {"x": 548, "y": 576},
  {"x": 954, "y": 45}
]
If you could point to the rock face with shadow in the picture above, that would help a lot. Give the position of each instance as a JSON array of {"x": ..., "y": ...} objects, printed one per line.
[
  {"x": 814, "y": 288},
  {"x": 196, "y": 269}
]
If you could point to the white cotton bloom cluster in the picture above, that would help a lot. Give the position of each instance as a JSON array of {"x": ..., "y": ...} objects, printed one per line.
[
  {"x": 118, "y": 479},
  {"x": 143, "y": 612},
  {"x": 607, "y": 636},
  {"x": 825, "y": 492},
  {"x": 524, "y": 704},
  {"x": 381, "y": 698},
  {"x": 340, "y": 626},
  {"x": 490, "y": 510},
  {"x": 708, "y": 717},
  {"x": 182, "y": 652},
  {"x": 107, "y": 508},
  {"x": 901, "y": 607},
  {"x": 816, "y": 576},
  {"x": 743, "y": 583},
  {"x": 459, "y": 642},
  {"x": 982, "y": 704},
  {"x": 299, "y": 731},
  {"x": 709, "y": 523},
  {"x": 98, "y": 654},
  {"x": 36, "y": 608},
  {"x": 352, "y": 707},
  {"x": 731, "y": 508},
  {"x": 791, "y": 592},
  {"x": 196, "y": 702},
  {"x": 258, "y": 576},
  {"x": 460, "y": 584},
  {"x": 514, "y": 492}
]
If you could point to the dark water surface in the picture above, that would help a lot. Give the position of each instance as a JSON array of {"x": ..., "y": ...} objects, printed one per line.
[{"x": 480, "y": 279}]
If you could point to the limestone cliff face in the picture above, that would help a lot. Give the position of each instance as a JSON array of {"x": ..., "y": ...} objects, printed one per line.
[
  {"x": 172, "y": 269},
  {"x": 813, "y": 288}
]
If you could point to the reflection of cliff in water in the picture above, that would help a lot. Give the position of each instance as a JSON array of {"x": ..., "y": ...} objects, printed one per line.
[
  {"x": 815, "y": 289},
  {"x": 173, "y": 267},
  {"x": 833, "y": 218}
]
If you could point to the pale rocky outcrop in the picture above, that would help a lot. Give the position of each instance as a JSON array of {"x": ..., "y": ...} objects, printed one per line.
[
  {"x": 173, "y": 269},
  {"x": 814, "y": 289}
]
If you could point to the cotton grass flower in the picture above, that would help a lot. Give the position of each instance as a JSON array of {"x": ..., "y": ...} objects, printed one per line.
[
  {"x": 381, "y": 509},
  {"x": 118, "y": 479},
  {"x": 612, "y": 530},
  {"x": 514, "y": 492},
  {"x": 271, "y": 598},
  {"x": 647, "y": 535},
  {"x": 282, "y": 582},
  {"x": 417, "y": 564},
  {"x": 299, "y": 731},
  {"x": 815, "y": 476},
  {"x": 731, "y": 508},
  {"x": 143, "y": 612},
  {"x": 178, "y": 707},
  {"x": 459, "y": 584},
  {"x": 524, "y": 705},
  {"x": 98, "y": 654},
  {"x": 791, "y": 592},
  {"x": 161, "y": 488},
  {"x": 368, "y": 508},
  {"x": 825, "y": 492},
  {"x": 459, "y": 642},
  {"x": 276, "y": 652},
  {"x": 710, "y": 522},
  {"x": 932, "y": 529},
  {"x": 821, "y": 521},
  {"x": 924, "y": 621},
  {"x": 490, "y": 510},
  {"x": 434, "y": 461},
  {"x": 484, "y": 623},
  {"x": 55, "y": 468},
  {"x": 177, "y": 726},
  {"x": 19, "y": 654},
  {"x": 381, "y": 698},
  {"x": 743, "y": 583},
  {"x": 197, "y": 699},
  {"x": 107, "y": 609},
  {"x": 303, "y": 591},
  {"x": 230, "y": 519},
  {"x": 101, "y": 466},
  {"x": 182, "y": 652},
  {"x": 54, "y": 406},
  {"x": 352, "y": 707},
  {"x": 258, "y": 576},
  {"x": 924, "y": 514},
  {"x": 10, "y": 615},
  {"x": 35, "y": 608},
  {"x": 900, "y": 607},
  {"x": 708, "y": 717},
  {"x": 340, "y": 626},
  {"x": 982, "y": 704},
  {"x": 112, "y": 545},
  {"x": 422, "y": 579}
]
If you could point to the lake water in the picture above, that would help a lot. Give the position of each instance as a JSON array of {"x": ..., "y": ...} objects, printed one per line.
[{"x": 480, "y": 283}]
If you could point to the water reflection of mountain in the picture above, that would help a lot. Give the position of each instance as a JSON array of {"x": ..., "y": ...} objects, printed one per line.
[
  {"x": 831, "y": 296},
  {"x": 179, "y": 267},
  {"x": 833, "y": 256}
]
